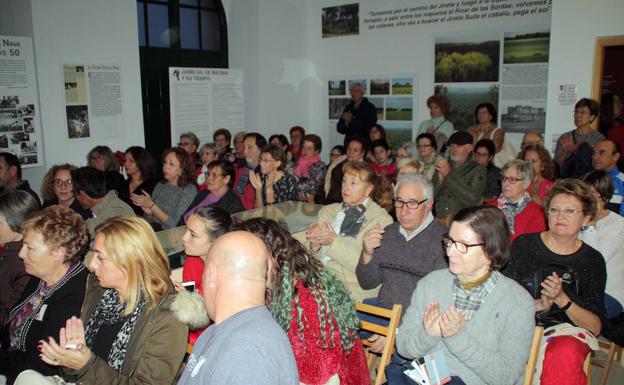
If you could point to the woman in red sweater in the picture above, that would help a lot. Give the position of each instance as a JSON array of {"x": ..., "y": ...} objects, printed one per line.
[
  {"x": 314, "y": 309},
  {"x": 522, "y": 213}
]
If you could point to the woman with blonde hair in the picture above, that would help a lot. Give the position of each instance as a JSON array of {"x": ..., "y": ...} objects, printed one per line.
[
  {"x": 338, "y": 233},
  {"x": 134, "y": 328},
  {"x": 57, "y": 189}
]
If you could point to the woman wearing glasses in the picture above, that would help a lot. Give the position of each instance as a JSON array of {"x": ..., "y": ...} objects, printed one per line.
[
  {"x": 522, "y": 213},
  {"x": 566, "y": 277},
  {"x": 57, "y": 189},
  {"x": 585, "y": 112},
  {"x": 479, "y": 319}
]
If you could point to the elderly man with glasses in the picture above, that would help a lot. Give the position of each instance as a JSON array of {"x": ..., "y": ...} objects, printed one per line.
[{"x": 398, "y": 256}]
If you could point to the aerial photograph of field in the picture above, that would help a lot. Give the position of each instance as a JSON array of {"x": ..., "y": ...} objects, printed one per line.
[
  {"x": 399, "y": 108},
  {"x": 378, "y": 102},
  {"x": 463, "y": 99},
  {"x": 465, "y": 59},
  {"x": 526, "y": 48}
]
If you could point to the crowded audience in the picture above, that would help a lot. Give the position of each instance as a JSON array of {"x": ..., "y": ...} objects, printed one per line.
[{"x": 401, "y": 223}]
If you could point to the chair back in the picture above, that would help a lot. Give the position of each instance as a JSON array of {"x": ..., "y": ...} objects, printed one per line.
[
  {"x": 535, "y": 347},
  {"x": 375, "y": 360}
]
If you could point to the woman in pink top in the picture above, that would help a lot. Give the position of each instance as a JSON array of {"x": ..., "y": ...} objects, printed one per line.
[{"x": 544, "y": 170}]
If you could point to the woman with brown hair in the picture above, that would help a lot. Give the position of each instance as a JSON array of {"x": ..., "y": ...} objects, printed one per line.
[
  {"x": 544, "y": 167},
  {"x": 142, "y": 175},
  {"x": 566, "y": 278},
  {"x": 173, "y": 194},
  {"x": 273, "y": 185},
  {"x": 438, "y": 125},
  {"x": 338, "y": 233}
]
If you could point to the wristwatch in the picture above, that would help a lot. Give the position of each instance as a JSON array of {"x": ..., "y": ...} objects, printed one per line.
[{"x": 567, "y": 305}]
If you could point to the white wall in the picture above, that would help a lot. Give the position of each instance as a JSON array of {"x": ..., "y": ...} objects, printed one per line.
[{"x": 574, "y": 28}]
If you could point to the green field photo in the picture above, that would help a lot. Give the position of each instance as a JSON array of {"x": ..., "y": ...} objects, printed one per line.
[
  {"x": 397, "y": 133},
  {"x": 399, "y": 108},
  {"x": 402, "y": 86},
  {"x": 526, "y": 48}
]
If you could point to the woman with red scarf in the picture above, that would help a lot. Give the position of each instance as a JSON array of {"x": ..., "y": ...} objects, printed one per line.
[{"x": 310, "y": 168}]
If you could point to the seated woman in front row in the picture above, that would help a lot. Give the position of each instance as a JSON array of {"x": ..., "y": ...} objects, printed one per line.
[
  {"x": 313, "y": 308},
  {"x": 130, "y": 329},
  {"x": 566, "y": 277},
  {"x": 481, "y": 320}
]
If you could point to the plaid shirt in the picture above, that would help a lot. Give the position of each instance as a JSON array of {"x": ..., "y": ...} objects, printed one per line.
[{"x": 469, "y": 301}]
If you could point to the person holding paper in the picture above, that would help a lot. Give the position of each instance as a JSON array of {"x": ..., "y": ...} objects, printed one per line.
[{"x": 481, "y": 321}]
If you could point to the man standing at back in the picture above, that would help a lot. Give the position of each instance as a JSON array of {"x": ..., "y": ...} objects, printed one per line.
[
  {"x": 359, "y": 115},
  {"x": 244, "y": 345}
]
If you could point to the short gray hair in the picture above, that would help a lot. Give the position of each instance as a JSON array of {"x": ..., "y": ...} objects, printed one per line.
[
  {"x": 418, "y": 179},
  {"x": 210, "y": 147},
  {"x": 411, "y": 149},
  {"x": 357, "y": 84},
  {"x": 192, "y": 137},
  {"x": 524, "y": 168}
]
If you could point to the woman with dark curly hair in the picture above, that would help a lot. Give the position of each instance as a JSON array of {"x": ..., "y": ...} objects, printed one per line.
[
  {"x": 173, "y": 194},
  {"x": 54, "y": 241},
  {"x": 314, "y": 309},
  {"x": 544, "y": 167}
]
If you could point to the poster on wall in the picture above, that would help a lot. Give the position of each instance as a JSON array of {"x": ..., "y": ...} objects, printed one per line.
[
  {"x": 392, "y": 96},
  {"x": 20, "y": 129},
  {"x": 469, "y": 71},
  {"x": 92, "y": 95},
  {"x": 203, "y": 100}
]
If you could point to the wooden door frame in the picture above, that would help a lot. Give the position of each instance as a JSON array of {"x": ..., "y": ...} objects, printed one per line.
[{"x": 601, "y": 44}]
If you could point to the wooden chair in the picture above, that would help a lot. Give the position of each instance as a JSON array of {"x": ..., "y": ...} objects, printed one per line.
[
  {"x": 535, "y": 347},
  {"x": 389, "y": 332},
  {"x": 614, "y": 352}
]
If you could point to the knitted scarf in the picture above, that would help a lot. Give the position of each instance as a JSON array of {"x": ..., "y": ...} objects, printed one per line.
[
  {"x": 304, "y": 163},
  {"x": 511, "y": 209},
  {"x": 108, "y": 312}
]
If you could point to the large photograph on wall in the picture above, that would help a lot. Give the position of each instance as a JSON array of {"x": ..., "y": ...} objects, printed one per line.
[
  {"x": 342, "y": 20},
  {"x": 467, "y": 59}
]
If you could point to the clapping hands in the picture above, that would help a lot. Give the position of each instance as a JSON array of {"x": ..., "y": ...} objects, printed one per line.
[{"x": 444, "y": 325}]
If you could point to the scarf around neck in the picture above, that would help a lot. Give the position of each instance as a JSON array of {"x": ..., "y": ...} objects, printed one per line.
[
  {"x": 107, "y": 312},
  {"x": 304, "y": 163},
  {"x": 353, "y": 220},
  {"x": 511, "y": 209}
]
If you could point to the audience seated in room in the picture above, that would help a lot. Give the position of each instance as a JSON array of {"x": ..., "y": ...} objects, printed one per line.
[
  {"x": 606, "y": 157},
  {"x": 223, "y": 139},
  {"x": 384, "y": 165},
  {"x": 102, "y": 158},
  {"x": 253, "y": 144},
  {"x": 427, "y": 153},
  {"x": 356, "y": 152},
  {"x": 208, "y": 152},
  {"x": 189, "y": 142},
  {"x": 297, "y": 133}
]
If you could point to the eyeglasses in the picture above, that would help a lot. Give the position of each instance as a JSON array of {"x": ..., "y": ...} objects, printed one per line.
[
  {"x": 462, "y": 247},
  {"x": 413, "y": 205},
  {"x": 567, "y": 212},
  {"x": 61, "y": 182},
  {"x": 509, "y": 179}
]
